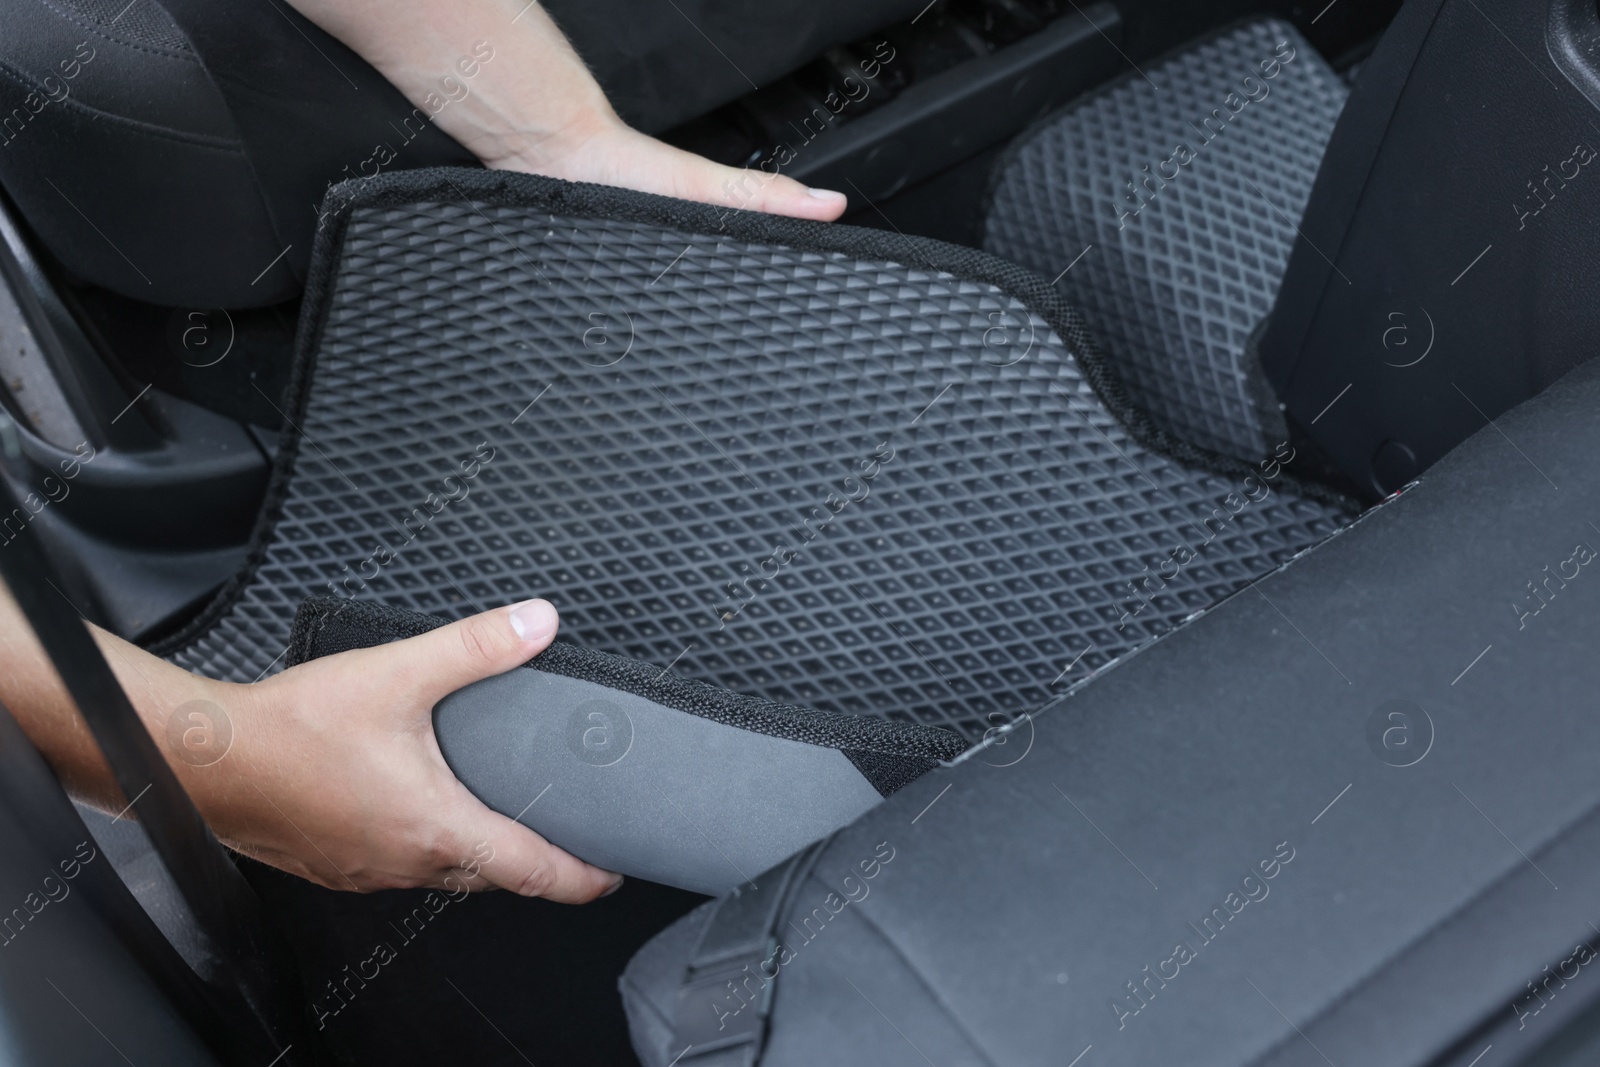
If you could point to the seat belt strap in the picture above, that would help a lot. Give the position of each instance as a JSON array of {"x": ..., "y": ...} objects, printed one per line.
[
  {"x": 726, "y": 997},
  {"x": 224, "y": 907}
]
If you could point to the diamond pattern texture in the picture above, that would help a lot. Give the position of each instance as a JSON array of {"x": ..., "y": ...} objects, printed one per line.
[
  {"x": 665, "y": 409},
  {"x": 1174, "y": 288}
]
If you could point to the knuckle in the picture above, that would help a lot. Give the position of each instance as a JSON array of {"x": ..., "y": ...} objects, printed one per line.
[
  {"x": 538, "y": 880},
  {"x": 439, "y": 849},
  {"x": 478, "y": 645}
]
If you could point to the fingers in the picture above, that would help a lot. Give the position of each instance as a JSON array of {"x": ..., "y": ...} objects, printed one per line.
[
  {"x": 441, "y": 661},
  {"x": 752, "y": 189},
  {"x": 530, "y": 866},
  {"x": 785, "y": 196},
  {"x": 627, "y": 158},
  {"x": 755, "y": 190}
]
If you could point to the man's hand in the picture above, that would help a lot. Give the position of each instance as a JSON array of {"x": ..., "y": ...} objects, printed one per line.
[
  {"x": 329, "y": 770},
  {"x": 334, "y": 772},
  {"x": 534, "y": 106}
]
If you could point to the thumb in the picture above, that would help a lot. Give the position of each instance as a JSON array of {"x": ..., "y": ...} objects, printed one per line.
[
  {"x": 443, "y": 660},
  {"x": 774, "y": 194},
  {"x": 656, "y": 167}
]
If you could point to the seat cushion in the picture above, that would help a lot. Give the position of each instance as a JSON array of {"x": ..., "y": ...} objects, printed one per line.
[
  {"x": 174, "y": 151},
  {"x": 1367, "y": 782}
]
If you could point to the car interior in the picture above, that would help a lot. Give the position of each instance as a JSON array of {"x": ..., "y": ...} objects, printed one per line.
[{"x": 1102, "y": 534}]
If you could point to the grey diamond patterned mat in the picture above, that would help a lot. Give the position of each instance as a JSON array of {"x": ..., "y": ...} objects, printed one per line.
[
  {"x": 1180, "y": 188},
  {"x": 817, "y": 464}
]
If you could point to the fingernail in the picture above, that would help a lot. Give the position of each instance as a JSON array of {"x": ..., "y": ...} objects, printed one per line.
[
  {"x": 534, "y": 620},
  {"x": 614, "y": 886},
  {"x": 825, "y": 194}
]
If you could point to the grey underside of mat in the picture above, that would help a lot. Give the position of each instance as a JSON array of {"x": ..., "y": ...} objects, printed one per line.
[
  {"x": 818, "y": 477},
  {"x": 592, "y": 767},
  {"x": 1180, "y": 261}
]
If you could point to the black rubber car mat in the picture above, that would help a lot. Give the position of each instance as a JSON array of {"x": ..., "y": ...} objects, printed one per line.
[
  {"x": 828, "y": 466},
  {"x": 1165, "y": 205}
]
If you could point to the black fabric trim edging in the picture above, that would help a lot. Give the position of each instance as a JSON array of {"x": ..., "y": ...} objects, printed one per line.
[{"x": 889, "y": 754}]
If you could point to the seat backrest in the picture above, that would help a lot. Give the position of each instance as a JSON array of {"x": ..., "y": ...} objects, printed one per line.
[{"x": 1441, "y": 274}]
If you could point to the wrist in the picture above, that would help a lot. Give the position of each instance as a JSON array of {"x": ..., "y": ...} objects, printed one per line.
[
  {"x": 208, "y": 739},
  {"x": 552, "y": 148}
]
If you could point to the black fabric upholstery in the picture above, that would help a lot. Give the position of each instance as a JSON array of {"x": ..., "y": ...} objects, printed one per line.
[
  {"x": 1365, "y": 783},
  {"x": 191, "y": 150},
  {"x": 188, "y": 149},
  {"x": 120, "y": 154}
]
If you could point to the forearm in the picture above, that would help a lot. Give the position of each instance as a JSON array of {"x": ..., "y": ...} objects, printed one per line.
[
  {"x": 497, "y": 75},
  {"x": 329, "y": 770},
  {"x": 36, "y": 697}
]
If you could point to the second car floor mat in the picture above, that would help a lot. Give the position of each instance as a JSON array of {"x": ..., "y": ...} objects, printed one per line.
[
  {"x": 827, "y": 466},
  {"x": 1165, "y": 205}
]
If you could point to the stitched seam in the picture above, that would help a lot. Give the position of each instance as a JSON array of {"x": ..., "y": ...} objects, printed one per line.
[
  {"x": 148, "y": 129},
  {"x": 1355, "y": 988},
  {"x": 89, "y": 27},
  {"x": 788, "y": 722}
]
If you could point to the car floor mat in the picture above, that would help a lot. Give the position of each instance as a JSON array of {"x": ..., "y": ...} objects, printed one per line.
[
  {"x": 827, "y": 466},
  {"x": 1165, "y": 206}
]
